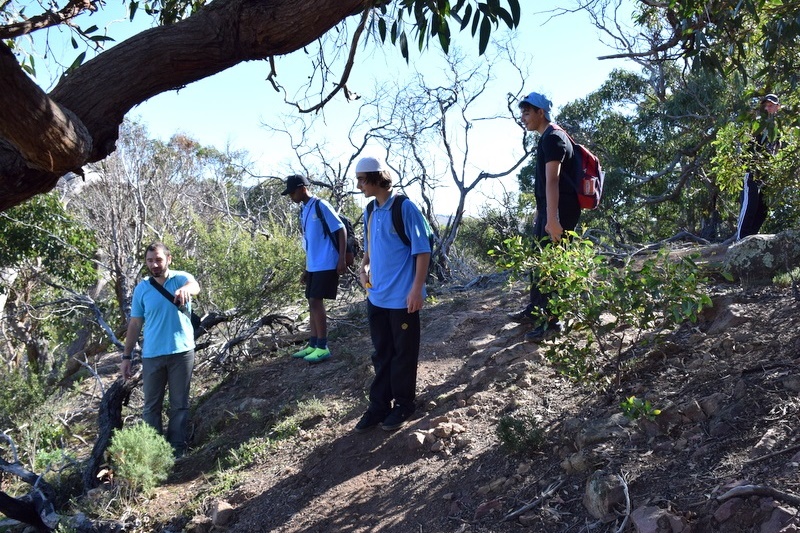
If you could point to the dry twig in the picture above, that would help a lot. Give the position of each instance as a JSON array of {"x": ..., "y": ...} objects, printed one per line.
[
  {"x": 546, "y": 494},
  {"x": 760, "y": 490}
]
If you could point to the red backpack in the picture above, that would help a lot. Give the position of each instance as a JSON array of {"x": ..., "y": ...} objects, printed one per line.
[{"x": 586, "y": 173}]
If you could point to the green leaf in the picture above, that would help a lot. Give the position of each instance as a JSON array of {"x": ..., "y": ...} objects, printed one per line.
[
  {"x": 475, "y": 21},
  {"x": 404, "y": 46},
  {"x": 516, "y": 12},
  {"x": 444, "y": 37},
  {"x": 382, "y": 29},
  {"x": 486, "y": 31},
  {"x": 503, "y": 14},
  {"x": 75, "y": 64},
  {"x": 465, "y": 19},
  {"x": 132, "y": 7}
]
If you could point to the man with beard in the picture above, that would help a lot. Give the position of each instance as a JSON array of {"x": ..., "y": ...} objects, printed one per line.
[{"x": 167, "y": 345}]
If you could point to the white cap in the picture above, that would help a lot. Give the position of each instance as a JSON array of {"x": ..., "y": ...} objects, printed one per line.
[{"x": 370, "y": 164}]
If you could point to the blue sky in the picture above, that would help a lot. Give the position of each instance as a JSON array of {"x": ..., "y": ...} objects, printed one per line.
[{"x": 229, "y": 109}]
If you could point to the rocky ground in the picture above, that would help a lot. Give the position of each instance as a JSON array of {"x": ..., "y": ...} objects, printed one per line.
[{"x": 721, "y": 457}]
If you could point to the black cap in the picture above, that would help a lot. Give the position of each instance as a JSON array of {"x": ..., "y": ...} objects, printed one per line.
[{"x": 294, "y": 182}]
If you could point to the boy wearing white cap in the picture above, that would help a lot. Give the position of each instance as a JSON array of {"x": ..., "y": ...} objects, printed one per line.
[{"x": 393, "y": 273}]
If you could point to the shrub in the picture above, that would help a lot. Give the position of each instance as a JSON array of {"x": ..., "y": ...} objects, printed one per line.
[
  {"x": 141, "y": 457},
  {"x": 20, "y": 393},
  {"x": 605, "y": 304},
  {"x": 261, "y": 271},
  {"x": 520, "y": 434}
]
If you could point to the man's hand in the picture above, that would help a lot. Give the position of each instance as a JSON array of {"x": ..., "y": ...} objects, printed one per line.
[
  {"x": 304, "y": 277},
  {"x": 415, "y": 301},
  {"x": 554, "y": 230},
  {"x": 341, "y": 267},
  {"x": 182, "y": 297},
  {"x": 125, "y": 369}
]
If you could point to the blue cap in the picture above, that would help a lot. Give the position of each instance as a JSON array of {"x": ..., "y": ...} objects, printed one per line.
[{"x": 539, "y": 100}]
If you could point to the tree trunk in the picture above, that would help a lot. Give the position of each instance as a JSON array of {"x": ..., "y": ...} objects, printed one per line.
[{"x": 49, "y": 135}]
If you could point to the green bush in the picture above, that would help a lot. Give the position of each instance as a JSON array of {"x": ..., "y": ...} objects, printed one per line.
[
  {"x": 606, "y": 305},
  {"x": 520, "y": 434},
  {"x": 141, "y": 457},
  {"x": 255, "y": 272},
  {"x": 21, "y": 393}
]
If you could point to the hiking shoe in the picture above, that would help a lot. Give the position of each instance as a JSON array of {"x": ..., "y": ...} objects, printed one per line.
[
  {"x": 524, "y": 316},
  {"x": 544, "y": 332},
  {"x": 318, "y": 355},
  {"x": 304, "y": 352},
  {"x": 397, "y": 418},
  {"x": 369, "y": 421}
]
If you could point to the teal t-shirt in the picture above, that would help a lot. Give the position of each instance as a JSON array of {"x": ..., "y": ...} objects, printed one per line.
[
  {"x": 166, "y": 329},
  {"x": 392, "y": 263}
]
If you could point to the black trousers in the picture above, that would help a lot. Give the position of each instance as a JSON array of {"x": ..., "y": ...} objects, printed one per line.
[
  {"x": 754, "y": 209},
  {"x": 395, "y": 336},
  {"x": 569, "y": 212}
]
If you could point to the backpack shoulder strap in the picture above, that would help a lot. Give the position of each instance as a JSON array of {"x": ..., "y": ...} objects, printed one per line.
[
  {"x": 164, "y": 292},
  {"x": 325, "y": 228},
  {"x": 397, "y": 218}
]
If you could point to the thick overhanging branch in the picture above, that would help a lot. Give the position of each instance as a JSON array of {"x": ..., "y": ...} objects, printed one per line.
[
  {"x": 48, "y": 137},
  {"x": 103, "y": 90}
]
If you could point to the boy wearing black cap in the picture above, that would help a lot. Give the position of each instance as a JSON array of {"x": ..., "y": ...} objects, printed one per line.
[
  {"x": 557, "y": 208},
  {"x": 753, "y": 212},
  {"x": 325, "y": 262}
]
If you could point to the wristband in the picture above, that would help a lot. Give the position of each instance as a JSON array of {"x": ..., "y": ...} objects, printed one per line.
[{"x": 126, "y": 357}]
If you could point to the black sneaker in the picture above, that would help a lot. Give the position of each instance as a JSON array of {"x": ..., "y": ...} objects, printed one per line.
[
  {"x": 524, "y": 316},
  {"x": 368, "y": 421},
  {"x": 397, "y": 418},
  {"x": 544, "y": 332}
]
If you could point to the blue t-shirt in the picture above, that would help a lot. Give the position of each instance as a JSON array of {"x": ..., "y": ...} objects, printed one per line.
[
  {"x": 166, "y": 329},
  {"x": 392, "y": 263},
  {"x": 321, "y": 252}
]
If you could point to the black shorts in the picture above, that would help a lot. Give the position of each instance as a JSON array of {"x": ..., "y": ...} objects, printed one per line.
[{"x": 322, "y": 284}]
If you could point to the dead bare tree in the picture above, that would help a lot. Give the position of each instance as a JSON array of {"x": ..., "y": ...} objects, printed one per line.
[{"x": 427, "y": 132}]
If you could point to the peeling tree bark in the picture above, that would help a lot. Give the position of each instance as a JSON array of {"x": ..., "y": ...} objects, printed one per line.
[{"x": 44, "y": 136}]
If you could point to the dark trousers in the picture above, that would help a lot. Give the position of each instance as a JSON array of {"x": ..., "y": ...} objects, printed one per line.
[
  {"x": 569, "y": 213},
  {"x": 395, "y": 336},
  {"x": 174, "y": 372},
  {"x": 754, "y": 209}
]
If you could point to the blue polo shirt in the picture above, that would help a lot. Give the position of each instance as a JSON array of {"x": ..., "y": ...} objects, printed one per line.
[
  {"x": 166, "y": 329},
  {"x": 392, "y": 263},
  {"x": 321, "y": 252}
]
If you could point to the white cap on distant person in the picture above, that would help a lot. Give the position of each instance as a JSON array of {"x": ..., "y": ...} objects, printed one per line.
[
  {"x": 370, "y": 164},
  {"x": 771, "y": 98}
]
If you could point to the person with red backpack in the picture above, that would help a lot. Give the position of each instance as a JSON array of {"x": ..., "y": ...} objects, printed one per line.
[{"x": 557, "y": 206}]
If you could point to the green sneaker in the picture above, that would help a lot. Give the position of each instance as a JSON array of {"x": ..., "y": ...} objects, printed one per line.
[
  {"x": 318, "y": 355},
  {"x": 304, "y": 352}
]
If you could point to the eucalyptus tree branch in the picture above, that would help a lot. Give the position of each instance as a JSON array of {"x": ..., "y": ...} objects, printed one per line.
[
  {"x": 47, "y": 19},
  {"x": 348, "y": 67}
]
